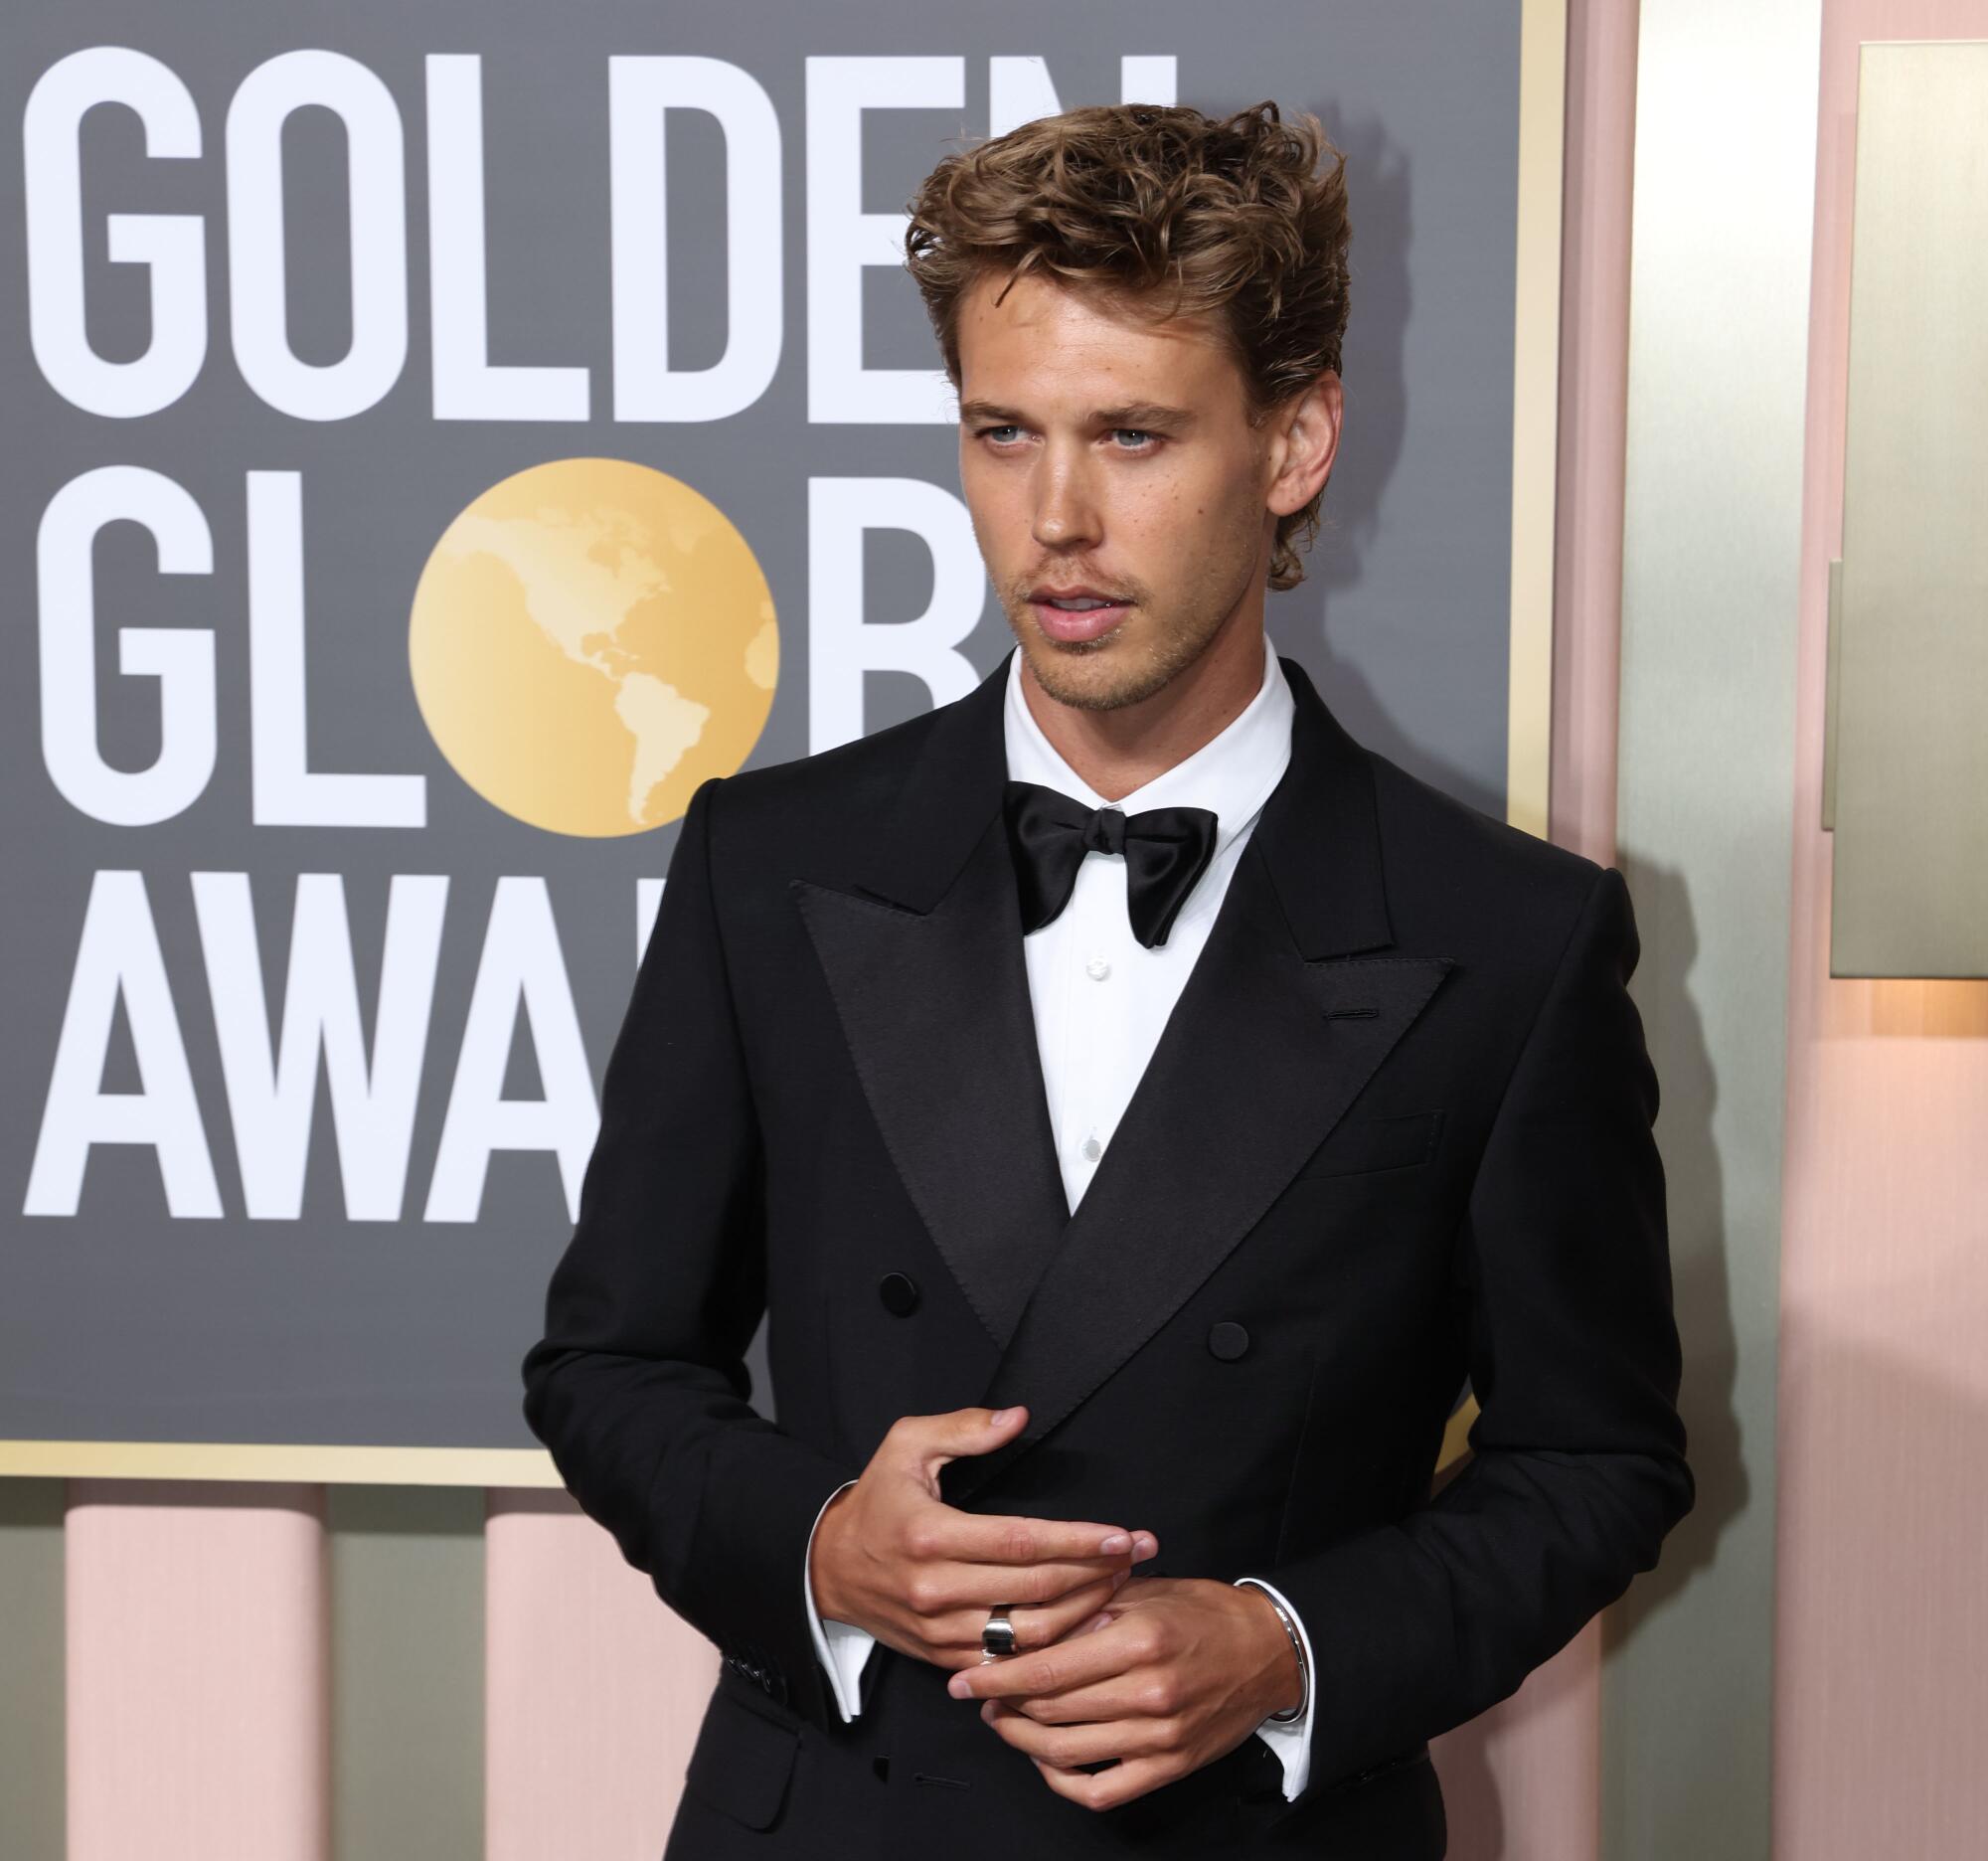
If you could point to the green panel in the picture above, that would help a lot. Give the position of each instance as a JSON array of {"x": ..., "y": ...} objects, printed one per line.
[
  {"x": 406, "y": 1672},
  {"x": 1724, "y": 206},
  {"x": 1910, "y": 878},
  {"x": 32, "y": 1691}
]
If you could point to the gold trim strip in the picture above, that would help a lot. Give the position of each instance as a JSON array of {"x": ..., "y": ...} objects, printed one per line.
[
  {"x": 1536, "y": 412},
  {"x": 1456, "y": 1436},
  {"x": 254, "y": 1460}
]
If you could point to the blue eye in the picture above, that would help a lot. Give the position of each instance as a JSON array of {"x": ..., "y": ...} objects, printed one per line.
[{"x": 1145, "y": 441}]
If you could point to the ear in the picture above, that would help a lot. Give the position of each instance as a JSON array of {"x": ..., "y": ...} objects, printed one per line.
[{"x": 1304, "y": 442}]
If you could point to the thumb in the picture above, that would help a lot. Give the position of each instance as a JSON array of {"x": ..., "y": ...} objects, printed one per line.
[{"x": 970, "y": 1432}]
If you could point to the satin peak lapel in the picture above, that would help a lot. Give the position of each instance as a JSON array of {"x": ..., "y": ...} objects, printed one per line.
[{"x": 929, "y": 981}]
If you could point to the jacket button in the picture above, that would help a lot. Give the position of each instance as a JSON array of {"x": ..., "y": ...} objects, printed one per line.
[
  {"x": 1228, "y": 1340},
  {"x": 900, "y": 1293}
]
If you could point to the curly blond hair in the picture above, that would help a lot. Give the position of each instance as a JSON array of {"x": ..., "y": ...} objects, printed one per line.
[{"x": 1165, "y": 211}]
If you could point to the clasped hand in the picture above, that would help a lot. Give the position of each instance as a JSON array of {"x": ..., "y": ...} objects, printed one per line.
[{"x": 1162, "y": 1675}]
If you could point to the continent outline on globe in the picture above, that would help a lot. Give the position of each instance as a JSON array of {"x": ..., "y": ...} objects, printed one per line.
[{"x": 589, "y": 641}]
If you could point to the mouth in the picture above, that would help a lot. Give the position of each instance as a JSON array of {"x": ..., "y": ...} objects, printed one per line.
[{"x": 1079, "y": 616}]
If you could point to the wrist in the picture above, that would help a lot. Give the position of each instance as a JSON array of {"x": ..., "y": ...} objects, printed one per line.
[
  {"x": 825, "y": 1560},
  {"x": 1283, "y": 1662}
]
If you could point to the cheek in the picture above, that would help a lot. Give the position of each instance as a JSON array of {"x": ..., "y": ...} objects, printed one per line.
[
  {"x": 998, "y": 515},
  {"x": 1217, "y": 500},
  {"x": 1194, "y": 535}
]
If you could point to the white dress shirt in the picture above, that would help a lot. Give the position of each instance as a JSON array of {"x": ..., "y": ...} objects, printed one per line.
[{"x": 1100, "y": 1001}]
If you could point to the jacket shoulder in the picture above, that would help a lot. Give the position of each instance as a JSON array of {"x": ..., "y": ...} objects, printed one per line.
[
  {"x": 829, "y": 788},
  {"x": 1457, "y": 872}
]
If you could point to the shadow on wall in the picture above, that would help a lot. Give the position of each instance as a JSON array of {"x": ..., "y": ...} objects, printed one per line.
[
  {"x": 1377, "y": 421},
  {"x": 1696, "y": 1198}
]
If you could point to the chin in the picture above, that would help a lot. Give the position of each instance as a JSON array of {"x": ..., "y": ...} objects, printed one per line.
[
  {"x": 1105, "y": 674},
  {"x": 1091, "y": 678}
]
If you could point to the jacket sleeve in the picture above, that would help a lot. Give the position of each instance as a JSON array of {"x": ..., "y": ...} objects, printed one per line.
[
  {"x": 639, "y": 1386},
  {"x": 1579, "y": 1453}
]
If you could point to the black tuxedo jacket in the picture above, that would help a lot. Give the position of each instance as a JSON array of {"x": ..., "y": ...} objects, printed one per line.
[{"x": 1397, "y": 1129}]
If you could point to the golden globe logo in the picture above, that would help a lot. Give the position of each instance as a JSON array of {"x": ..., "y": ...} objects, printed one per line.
[{"x": 590, "y": 640}]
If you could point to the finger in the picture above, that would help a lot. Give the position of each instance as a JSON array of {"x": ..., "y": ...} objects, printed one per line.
[
  {"x": 1134, "y": 1547},
  {"x": 1127, "y": 1696},
  {"x": 1034, "y": 1627},
  {"x": 1066, "y": 1745},
  {"x": 960, "y": 1631},
  {"x": 921, "y": 1441},
  {"x": 1039, "y": 1627},
  {"x": 975, "y": 1587},
  {"x": 1107, "y": 1789},
  {"x": 970, "y": 1538},
  {"x": 1078, "y": 1661}
]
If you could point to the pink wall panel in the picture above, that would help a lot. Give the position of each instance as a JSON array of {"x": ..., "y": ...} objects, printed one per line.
[
  {"x": 197, "y": 1709},
  {"x": 595, "y": 1690},
  {"x": 1593, "y": 421},
  {"x": 1881, "y": 1630}
]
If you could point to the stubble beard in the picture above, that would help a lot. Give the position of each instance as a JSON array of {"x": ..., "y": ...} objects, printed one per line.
[
  {"x": 1168, "y": 646},
  {"x": 1162, "y": 657}
]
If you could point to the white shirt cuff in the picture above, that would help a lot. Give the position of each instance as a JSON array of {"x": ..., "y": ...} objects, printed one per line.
[
  {"x": 841, "y": 1647},
  {"x": 1290, "y": 1740}
]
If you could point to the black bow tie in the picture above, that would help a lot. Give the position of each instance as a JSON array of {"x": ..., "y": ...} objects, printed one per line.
[{"x": 1166, "y": 851}]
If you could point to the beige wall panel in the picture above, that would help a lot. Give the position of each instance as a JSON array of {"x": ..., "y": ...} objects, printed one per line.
[
  {"x": 1726, "y": 103},
  {"x": 30, "y": 1670}
]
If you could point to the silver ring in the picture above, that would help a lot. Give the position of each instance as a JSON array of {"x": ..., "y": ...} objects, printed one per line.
[{"x": 997, "y": 1639}]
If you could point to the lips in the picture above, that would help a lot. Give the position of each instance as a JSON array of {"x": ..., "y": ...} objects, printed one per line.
[{"x": 1076, "y": 624}]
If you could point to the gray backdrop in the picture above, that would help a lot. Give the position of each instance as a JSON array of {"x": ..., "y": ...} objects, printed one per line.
[{"x": 119, "y": 1321}]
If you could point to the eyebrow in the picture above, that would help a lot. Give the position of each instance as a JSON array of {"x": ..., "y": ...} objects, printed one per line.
[{"x": 1139, "y": 414}]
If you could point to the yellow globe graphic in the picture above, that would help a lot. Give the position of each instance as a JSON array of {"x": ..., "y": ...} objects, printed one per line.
[{"x": 590, "y": 640}]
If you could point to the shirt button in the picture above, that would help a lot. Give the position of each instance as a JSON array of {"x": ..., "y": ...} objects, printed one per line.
[
  {"x": 1092, "y": 1149},
  {"x": 1097, "y": 969}
]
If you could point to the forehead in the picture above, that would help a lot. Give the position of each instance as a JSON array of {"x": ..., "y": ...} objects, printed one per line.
[{"x": 1051, "y": 338}]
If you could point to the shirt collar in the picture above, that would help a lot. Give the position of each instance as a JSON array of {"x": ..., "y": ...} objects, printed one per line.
[{"x": 1231, "y": 773}]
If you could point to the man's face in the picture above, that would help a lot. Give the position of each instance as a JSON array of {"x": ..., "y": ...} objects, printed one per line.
[{"x": 1113, "y": 454}]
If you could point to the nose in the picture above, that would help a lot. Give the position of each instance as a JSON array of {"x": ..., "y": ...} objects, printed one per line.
[{"x": 1065, "y": 513}]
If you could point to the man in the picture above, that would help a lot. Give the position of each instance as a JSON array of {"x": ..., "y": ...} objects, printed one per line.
[{"x": 1139, "y": 1107}]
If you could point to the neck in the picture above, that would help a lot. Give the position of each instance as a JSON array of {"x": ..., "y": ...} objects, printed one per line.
[{"x": 1118, "y": 751}]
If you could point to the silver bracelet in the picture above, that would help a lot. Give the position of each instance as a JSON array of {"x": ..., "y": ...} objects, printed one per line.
[{"x": 1298, "y": 1649}]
